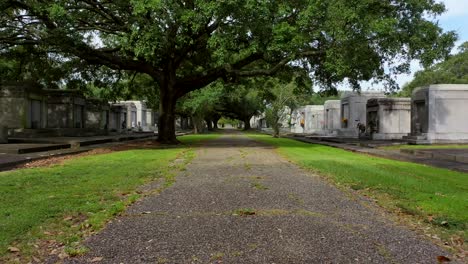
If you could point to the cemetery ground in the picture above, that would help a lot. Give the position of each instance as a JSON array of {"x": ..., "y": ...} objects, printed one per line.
[{"x": 237, "y": 198}]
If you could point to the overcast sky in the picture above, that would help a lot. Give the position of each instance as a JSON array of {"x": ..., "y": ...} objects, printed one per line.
[{"x": 456, "y": 18}]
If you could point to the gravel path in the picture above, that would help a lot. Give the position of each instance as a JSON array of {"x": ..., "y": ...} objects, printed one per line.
[{"x": 240, "y": 202}]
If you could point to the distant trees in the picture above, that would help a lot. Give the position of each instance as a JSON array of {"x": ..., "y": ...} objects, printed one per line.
[
  {"x": 283, "y": 100},
  {"x": 453, "y": 70},
  {"x": 201, "y": 106}
]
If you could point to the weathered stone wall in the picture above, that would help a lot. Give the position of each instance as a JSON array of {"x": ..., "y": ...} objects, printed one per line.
[
  {"x": 354, "y": 110},
  {"x": 59, "y": 115},
  {"x": 440, "y": 111},
  {"x": 117, "y": 118},
  {"x": 16, "y": 106},
  {"x": 3, "y": 134},
  {"x": 296, "y": 117},
  {"x": 332, "y": 115},
  {"x": 97, "y": 114},
  {"x": 314, "y": 118},
  {"x": 389, "y": 118}
]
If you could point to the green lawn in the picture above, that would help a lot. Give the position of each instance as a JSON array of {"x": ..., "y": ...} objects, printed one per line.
[
  {"x": 433, "y": 193},
  {"x": 64, "y": 202}
]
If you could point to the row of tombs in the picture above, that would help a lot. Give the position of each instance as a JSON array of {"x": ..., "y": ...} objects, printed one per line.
[
  {"x": 28, "y": 111},
  {"x": 433, "y": 114}
]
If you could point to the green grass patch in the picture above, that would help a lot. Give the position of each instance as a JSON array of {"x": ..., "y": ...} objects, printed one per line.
[
  {"x": 433, "y": 193},
  {"x": 64, "y": 202}
]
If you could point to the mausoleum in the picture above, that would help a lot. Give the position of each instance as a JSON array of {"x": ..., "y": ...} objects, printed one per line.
[
  {"x": 118, "y": 118},
  {"x": 65, "y": 109},
  {"x": 353, "y": 112},
  {"x": 308, "y": 119},
  {"x": 388, "y": 118},
  {"x": 22, "y": 106},
  {"x": 97, "y": 114},
  {"x": 331, "y": 117},
  {"x": 439, "y": 114}
]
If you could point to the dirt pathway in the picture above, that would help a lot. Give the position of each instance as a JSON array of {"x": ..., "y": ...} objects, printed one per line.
[{"x": 240, "y": 202}]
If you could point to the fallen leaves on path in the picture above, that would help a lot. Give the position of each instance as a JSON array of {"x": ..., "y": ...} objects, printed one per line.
[
  {"x": 13, "y": 249},
  {"x": 97, "y": 259},
  {"x": 443, "y": 259}
]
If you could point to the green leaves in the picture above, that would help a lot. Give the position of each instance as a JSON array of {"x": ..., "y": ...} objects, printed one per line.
[
  {"x": 453, "y": 70},
  {"x": 195, "y": 42}
]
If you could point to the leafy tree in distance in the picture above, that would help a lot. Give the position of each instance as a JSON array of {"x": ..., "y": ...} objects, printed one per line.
[
  {"x": 283, "y": 102},
  {"x": 200, "y": 104},
  {"x": 186, "y": 45},
  {"x": 242, "y": 101},
  {"x": 454, "y": 70}
]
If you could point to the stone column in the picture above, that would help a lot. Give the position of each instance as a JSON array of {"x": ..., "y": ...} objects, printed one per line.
[{"x": 3, "y": 134}]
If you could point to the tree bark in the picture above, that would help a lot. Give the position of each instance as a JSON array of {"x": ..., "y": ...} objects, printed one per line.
[
  {"x": 247, "y": 123},
  {"x": 166, "y": 126},
  {"x": 209, "y": 124},
  {"x": 215, "y": 123}
]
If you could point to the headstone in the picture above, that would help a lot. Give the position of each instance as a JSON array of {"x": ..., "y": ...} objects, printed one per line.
[
  {"x": 388, "y": 118},
  {"x": 439, "y": 114}
]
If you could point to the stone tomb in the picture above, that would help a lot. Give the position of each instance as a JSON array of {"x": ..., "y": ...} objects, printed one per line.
[
  {"x": 439, "y": 114},
  {"x": 97, "y": 114},
  {"x": 131, "y": 115},
  {"x": 353, "y": 112},
  {"x": 137, "y": 115},
  {"x": 388, "y": 118},
  {"x": 331, "y": 119},
  {"x": 308, "y": 119},
  {"x": 22, "y": 106},
  {"x": 118, "y": 118},
  {"x": 3, "y": 134},
  {"x": 65, "y": 109}
]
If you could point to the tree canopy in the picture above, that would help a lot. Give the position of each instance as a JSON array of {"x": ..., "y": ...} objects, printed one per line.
[
  {"x": 186, "y": 45},
  {"x": 453, "y": 70}
]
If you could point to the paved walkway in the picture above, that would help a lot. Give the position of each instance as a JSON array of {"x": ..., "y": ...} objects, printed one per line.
[{"x": 240, "y": 202}]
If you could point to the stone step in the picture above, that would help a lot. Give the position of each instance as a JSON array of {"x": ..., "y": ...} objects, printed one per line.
[{"x": 23, "y": 148}]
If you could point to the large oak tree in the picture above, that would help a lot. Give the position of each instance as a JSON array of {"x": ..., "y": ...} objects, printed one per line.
[{"x": 185, "y": 45}]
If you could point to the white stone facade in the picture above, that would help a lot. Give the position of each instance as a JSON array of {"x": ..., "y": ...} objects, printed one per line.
[
  {"x": 388, "y": 118},
  {"x": 308, "y": 119},
  {"x": 353, "y": 111},
  {"x": 332, "y": 119},
  {"x": 439, "y": 113}
]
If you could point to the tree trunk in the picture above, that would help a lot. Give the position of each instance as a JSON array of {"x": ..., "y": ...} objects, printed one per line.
[
  {"x": 215, "y": 123},
  {"x": 166, "y": 126},
  {"x": 276, "y": 126},
  {"x": 216, "y": 118},
  {"x": 247, "y": 123},
  {"x": 275, "y": 131},
  {"x": 209, "y": 124}
]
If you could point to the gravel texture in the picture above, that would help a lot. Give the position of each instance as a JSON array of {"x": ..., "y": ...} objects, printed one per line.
[{"x": 240, "y": 202}]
